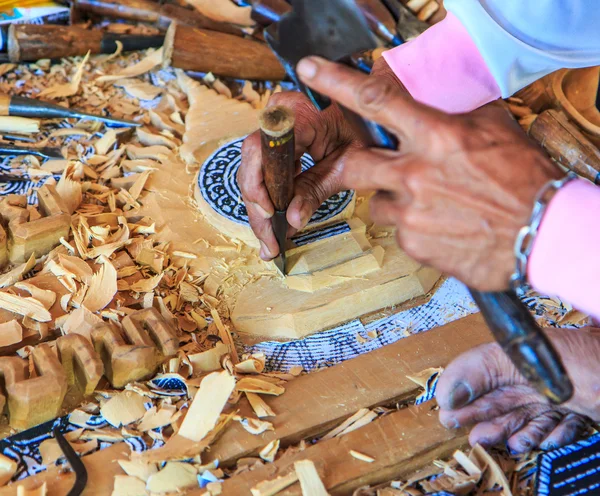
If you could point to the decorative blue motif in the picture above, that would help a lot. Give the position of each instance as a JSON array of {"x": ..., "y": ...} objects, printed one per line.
[
  {"x": 218, "y": 185},
  {"x": 323, "y": 233}
]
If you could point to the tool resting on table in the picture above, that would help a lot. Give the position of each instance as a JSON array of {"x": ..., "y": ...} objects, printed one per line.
[
  {"x": 20, "y": 106},
  {"x": 335, "y": 30},
  {"x": 278, "y": 166}
]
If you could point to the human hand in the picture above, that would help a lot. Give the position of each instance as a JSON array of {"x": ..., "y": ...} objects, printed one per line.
[
  {"x": 326, "y": 137},
  {"x": 482, "y": 388},
  {"x": 459, "y": 188}
]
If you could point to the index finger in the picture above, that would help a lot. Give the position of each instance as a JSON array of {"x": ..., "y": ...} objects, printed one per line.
[{"x": 374, "y": 98}]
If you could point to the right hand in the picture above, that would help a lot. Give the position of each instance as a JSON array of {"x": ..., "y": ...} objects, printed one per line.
[{"x": 327, "y": 138}]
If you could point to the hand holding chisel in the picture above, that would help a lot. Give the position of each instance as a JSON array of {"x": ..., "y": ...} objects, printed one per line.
[{"x": 278, "y": 165}]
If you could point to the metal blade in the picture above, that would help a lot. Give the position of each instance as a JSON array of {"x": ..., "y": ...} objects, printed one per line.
[
  {"x": 280, "y": 227},
  {"x": 44, "y": 152},
  {"x": 110, "y": 121},
  {"x": 333, "y": 29}
]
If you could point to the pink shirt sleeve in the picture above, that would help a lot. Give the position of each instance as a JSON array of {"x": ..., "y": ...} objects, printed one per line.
[
  {"x": 565, "y": 260},
  {"x": 443, "y": 68}
]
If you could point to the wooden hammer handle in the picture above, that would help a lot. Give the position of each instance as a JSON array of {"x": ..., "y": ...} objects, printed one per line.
[{"x": 278, "y": 154}]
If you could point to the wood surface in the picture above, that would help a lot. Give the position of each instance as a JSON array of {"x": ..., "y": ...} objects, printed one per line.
[
  {"x": 151, "y": 12},
  {"x": 311, "y": 405},
  {"x": 278, "y": 148},
  {"x": 4, "y": 104},
  {"x": 82, "y": 365},
  {"x": 31, "y": 42},
  {"x": 401, "y": 443},
  {"x": 566, "y": 144},
  {"x": 201, "y": 50},
  {"x": 294, "y": 314}
]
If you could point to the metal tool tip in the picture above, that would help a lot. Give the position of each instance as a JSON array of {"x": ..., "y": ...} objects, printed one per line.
[{"x": 280, "y": 264}]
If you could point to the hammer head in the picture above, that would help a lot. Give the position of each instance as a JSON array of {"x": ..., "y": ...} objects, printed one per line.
[{"x": 332, "y": 29}]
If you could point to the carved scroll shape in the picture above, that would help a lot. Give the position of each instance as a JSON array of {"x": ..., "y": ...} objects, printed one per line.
[
  {"x": 32, "y": 401},
  {"x": 82, "y": 365}
]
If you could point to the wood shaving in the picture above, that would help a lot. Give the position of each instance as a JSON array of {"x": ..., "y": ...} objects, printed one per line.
[
  {"x": 274, "y": 486},
  {"x": 361, "y": 456},
  {"x": 207, "y": 405},
  {"x": 20, "y": 125},
  {"x": 28, "y": 307},
  {"x": 174, "y": 478},
  {"x": 11, "y": 332},
  {"x": 44, "y": 296},
  {"x": 269, "y": 452},
  {"x": 259, "y": 406},
  {"x": 68, "y": 89},
  {"x": 138, "y": 469},
  {"x": 148, "y": 63},
  {"x": 256, "y": 385},
  {"x": 139, "y": 89},
  {"x": 123, "y": 409},
  {"x": 17, "y": 273},
  {"x": 310, "y": 482},
  {"x": 103, "y": 286}
]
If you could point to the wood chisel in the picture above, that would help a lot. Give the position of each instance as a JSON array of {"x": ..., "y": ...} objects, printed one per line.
[
  {"x": 31, "y": 42},
  {"x": 278, "y": 166},
  {"x": 20, "y": 106},
  {"x": 335, "y": 30},
  {"x": 43, "y": 152}
]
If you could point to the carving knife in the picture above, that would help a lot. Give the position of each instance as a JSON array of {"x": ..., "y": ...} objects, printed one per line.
[
  {"x": 336, "y": 29},
  {"x": 278, "y": 166},
  {"x": 43, "y": 152},
  {"x": 28, "y": 107}
]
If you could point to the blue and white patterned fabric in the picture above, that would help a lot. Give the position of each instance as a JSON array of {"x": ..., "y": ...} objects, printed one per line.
[{"x": 570, "y": 471}]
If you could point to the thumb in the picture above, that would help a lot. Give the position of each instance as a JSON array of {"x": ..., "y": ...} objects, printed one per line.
[
  {"x": 313, "y": 187},
  {"x": 474, "y": 374}
]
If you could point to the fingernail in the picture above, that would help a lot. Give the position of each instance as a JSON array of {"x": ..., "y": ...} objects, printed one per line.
[
  {"x": 450, "y": 423},
  {"x": 307, "y": 68},
  {"x": 264, "y": 214},
  {"x": 461, "y": 395},
  {"x": 265, "y": 253}
]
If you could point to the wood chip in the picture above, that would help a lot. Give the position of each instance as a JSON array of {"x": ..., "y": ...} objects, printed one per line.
[
  {"x": 155, "y": 418},
  {"x": 360, "y": 418},
  {"x": 139, "y": 89},
  {"x": 203, "y": 414},
  {"x": 361, "y": 456},
  {"x": 17, "y": 273},
  {"x": 174, "y": 478},
  {"x": 123, "y": 409},
  {"x": 103, "y": 286},
  {"x": 51, "y": 451},
  {"x": 146, "y": 285},
  {"x": 256, "y": 385},
  {"x": 138, "y": 469},
  {"x": 253, "y": 365},
  {"x": 125, "y": 485},
  {"x": 422, "y": 377},
  {"x": 208, "y": 361},
  {"x": 148, "y": 63},
  {"x": 259, "y": 406},
  {"x": 69, "y": 89},
  {"x": 310, "y": 482},
  {"x": 44, "y": 296},
  {"x": 8, "y": 468},
  {"x": 10, "y": 333},
  {"x": 269, "y": 452},
  {"x": 225, "y": 336},
  {"x": 104, "y": 144},
  {"x": 274, "y": 486},
  {"x": 28, "y": 307}
]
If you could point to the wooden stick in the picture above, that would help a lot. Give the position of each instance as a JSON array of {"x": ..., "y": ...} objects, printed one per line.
[
  {"x": 222, "y": 54},
  {"x": 153, "y": 12},
  {"x": 400, "y": 443},
  {"x": 566, "y": 144}
]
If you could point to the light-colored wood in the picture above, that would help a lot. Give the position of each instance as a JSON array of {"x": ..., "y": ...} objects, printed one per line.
[
  {"x": 4, "y": 104},
  {"x": 312, "y": 404},
  {"x": 82, "y": 365},
  {"x": 124, "y": 361},
  {"x": 148, "y": 326},
  {"x": 37, "y": 236},
  {"x": 35, "y": 400},
  {"x": 400, "y": 443},
  {"x": 267, "y": 309},
  {"x": 355, "y": 268}
]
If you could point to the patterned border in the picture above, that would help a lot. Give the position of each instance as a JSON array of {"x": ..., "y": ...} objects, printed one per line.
[{"x": 217, "y": 181}]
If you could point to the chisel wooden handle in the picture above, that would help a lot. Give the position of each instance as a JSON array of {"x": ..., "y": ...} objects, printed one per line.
[
  {"x": 30, "y": 42},
  {"x": 278, "y": 154}
]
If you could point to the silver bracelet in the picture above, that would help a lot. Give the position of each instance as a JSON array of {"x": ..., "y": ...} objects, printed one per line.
[{"x": 528, "y": 233}]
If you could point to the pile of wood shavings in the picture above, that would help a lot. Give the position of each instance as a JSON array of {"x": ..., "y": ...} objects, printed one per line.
[{"x": 112, "y": 264}]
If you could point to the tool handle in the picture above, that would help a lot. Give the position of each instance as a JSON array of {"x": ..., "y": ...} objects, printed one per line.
[
  {"x": 278, "y": 154},
  {"x": 514, "y": 328}
]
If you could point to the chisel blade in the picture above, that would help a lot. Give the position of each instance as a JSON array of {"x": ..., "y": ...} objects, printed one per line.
[{"x": 280, "y": 227}]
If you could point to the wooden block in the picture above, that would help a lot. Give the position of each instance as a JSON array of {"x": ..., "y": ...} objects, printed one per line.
[
  {"x": 39, "y": 399},
  {"x": 37, "y": 236},
  {"x": 148, "y": 326},
  {"x": 400, "y": 443},
  {"x": 12, "y": 370},
  {"x": 124, "y": 361},
  {"x": 355, "y": 268},
  {"x": 317, "y": 253},
  {"x": 312, "y": 404},
  {"x": 267, "y": 309},
  {"x": 3, "y": 247},
  {"x": 82, "y": 365}
]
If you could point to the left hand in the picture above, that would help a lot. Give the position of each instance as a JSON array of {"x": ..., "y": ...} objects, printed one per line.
[{"x": 459, "y": 188}]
